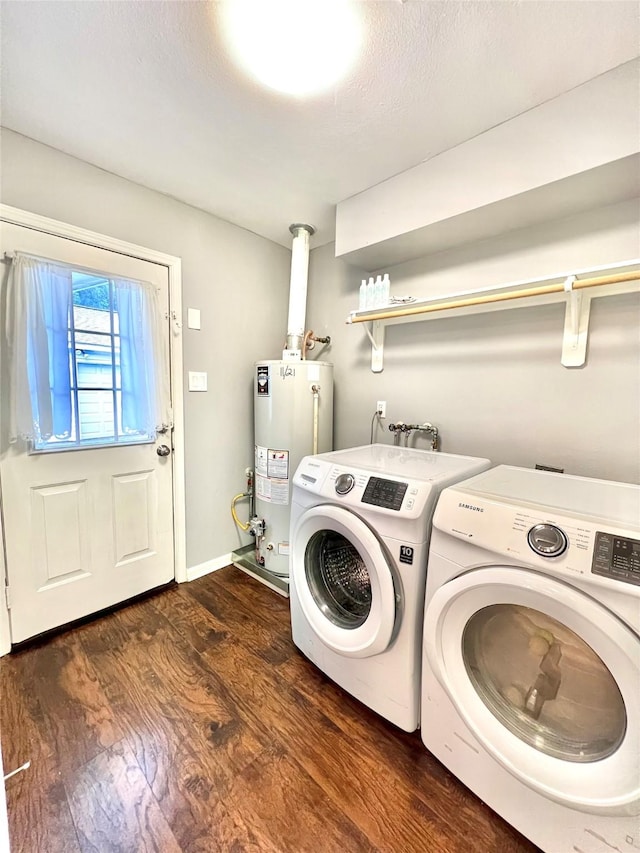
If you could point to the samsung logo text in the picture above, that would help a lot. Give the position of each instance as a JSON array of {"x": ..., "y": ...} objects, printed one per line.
[{"x": 471, "y": 507}]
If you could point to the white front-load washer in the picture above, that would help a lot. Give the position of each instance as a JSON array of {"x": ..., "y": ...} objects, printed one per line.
[
  {"x": 360, "y": 525},
  {"x": 531, "y": 658}
]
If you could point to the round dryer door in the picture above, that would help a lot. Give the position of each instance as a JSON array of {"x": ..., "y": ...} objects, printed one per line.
[
  {"x": 343, "y": 581},
  {"x": 547, "y": 679}
]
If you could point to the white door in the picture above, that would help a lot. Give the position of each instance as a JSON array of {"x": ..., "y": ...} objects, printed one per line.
[
  {"x": 547, "y": 679},
  {"x": 89, "y": 522},
  {"x": 343, "y": 581}
]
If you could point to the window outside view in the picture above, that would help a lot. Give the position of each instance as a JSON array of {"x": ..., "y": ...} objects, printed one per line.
[{"x": 94, "y": 363}]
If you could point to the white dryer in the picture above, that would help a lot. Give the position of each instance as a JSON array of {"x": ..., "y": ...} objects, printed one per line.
[
  {"x": 360, "y": 525},
  {"x": 531, "y": 664}
]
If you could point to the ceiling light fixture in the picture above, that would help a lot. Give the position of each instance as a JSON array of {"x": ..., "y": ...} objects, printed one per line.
[{"x": 299, "y": 47}]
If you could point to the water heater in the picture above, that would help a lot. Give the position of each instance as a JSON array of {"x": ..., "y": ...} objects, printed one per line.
[{"x": 293, "y": 413}]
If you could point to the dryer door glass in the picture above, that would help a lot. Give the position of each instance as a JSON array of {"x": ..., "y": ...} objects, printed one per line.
[
  {"x": 544, "y": 683},
  {"x": 338, "y": 579}
]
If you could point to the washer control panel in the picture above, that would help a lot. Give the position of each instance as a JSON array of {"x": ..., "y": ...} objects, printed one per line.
[
  {"x": 362, "y": 490},
  {"x": 616, "y": 557},
  {"x": 385, "y": 493},
  {"x": 547, "y": 540}
]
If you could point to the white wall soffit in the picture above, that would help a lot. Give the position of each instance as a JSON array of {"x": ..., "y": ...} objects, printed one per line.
[{"x": 575, "y": 152}]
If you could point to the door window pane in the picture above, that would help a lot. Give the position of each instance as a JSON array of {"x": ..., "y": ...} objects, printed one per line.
[
  {"x": 96, "y": 415},
  {"x": 91, "y": 292},
  {"x": 544, "y": 683},
  {"x": 94, "y": 360},
  {"x": 94, "y": 365},
  {"x": 338, "y": 579}
]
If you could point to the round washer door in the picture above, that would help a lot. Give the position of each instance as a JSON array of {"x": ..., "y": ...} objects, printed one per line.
[
  {"x": 547, "y": 679},
  {"x": 343, "y": 581}
]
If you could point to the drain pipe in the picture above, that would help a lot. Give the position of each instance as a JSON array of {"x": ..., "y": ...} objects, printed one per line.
[{"x": 298, "y": 290}]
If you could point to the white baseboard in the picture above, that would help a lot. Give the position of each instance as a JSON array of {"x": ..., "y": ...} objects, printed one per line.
[
  {"x": 5, "y": 648},
  {"x": 210, "y": 566}
]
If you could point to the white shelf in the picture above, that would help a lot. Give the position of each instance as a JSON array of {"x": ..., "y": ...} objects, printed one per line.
[{"x": 552, "y": 289}]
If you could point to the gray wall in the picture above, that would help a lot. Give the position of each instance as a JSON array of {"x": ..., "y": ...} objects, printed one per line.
[
  {"x": 493, "y": 382},
  {"x": 230, "y": 274}
]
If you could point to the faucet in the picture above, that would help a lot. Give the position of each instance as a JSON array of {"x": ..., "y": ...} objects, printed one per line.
[{"x": 400, "y": 428}]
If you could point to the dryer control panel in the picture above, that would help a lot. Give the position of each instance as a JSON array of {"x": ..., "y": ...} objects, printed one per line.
[
  {"x": 616, "y": 557},
  {"x": 558, "y": 543}
]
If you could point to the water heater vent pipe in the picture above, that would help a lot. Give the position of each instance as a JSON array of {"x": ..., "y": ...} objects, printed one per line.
[{"x": 298, "y": 288}]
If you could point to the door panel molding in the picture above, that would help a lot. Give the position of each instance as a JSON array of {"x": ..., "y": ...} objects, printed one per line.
[
  {"x": 60, "y": 530},
  {"x": 173, "y": 264},
  {"x": 134, "y": 540}
]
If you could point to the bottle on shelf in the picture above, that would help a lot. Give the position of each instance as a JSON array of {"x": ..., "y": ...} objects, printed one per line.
[
  {"x": 377, "y": 299},
  {"x": 370, "y": 301},
  {"x": 362, "y": 303},
  {"x": 386, "y": 289}
]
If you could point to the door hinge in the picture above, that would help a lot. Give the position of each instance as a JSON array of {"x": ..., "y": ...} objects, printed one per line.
[{"x": 7, "y": 596}]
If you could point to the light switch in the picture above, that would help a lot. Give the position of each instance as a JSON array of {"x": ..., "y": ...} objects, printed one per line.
[
  {"x": 197, "y": 381},
  {"x": 193, "y": 318}
]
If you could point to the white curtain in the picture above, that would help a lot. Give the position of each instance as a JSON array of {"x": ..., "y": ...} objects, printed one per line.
[
  {"x": 39, "y": 306},
  {"x": 39, "y": 297},
  {"x": 144, "y": 369}
]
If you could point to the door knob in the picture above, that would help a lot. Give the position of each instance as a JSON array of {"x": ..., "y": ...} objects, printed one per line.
[{"x": 163, "y": 450}]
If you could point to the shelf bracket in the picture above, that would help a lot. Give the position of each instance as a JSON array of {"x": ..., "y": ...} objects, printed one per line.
[
  {"x": 376, "y": 336},
  {"x": 576, "y": 325}
]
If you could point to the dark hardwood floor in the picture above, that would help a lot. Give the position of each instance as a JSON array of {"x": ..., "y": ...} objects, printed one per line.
[{"x": 188, "y": 721}]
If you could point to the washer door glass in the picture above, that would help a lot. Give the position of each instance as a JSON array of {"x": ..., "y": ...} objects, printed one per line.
[
  {"x": 342, "y": 579},
  {"x": 545, "y": 678},
  {"x": 338, "y": 579},
  {"x": 544, "y": 683}
]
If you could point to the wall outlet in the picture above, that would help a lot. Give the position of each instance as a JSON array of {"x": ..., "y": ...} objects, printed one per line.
[{"x": 381, "y": 408}]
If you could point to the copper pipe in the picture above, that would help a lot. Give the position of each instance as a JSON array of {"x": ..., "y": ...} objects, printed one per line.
[{"x": 306, "y": 343}]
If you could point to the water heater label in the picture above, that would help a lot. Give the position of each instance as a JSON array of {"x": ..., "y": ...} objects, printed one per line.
[
  {"x": 272, "y": 491},
  {"x": 262, "y": 454},
  {"x": 262, "y": 380},
  {"x": 278, "y": 464},
  {"x": 263, "y": 488},
  {"x": 280, "y": 492}
]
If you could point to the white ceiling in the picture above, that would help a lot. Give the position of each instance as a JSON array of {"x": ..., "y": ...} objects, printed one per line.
[{"x": 147, "y": 90}]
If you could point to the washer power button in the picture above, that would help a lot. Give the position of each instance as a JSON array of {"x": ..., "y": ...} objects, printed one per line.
[
  {"x": 344, "y": 483},
  {"x": 547, "y": 540}
]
